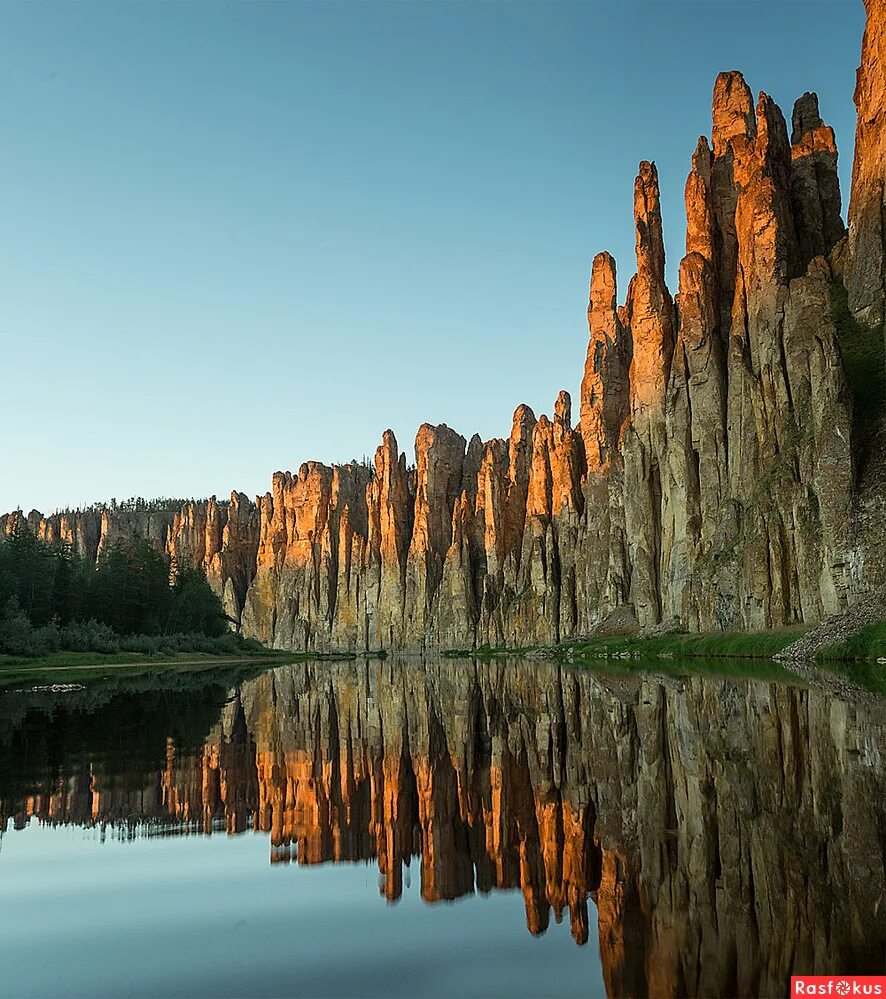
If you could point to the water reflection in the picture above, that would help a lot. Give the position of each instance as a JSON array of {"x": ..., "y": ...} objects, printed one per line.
[{"x": 729, "y": 832}]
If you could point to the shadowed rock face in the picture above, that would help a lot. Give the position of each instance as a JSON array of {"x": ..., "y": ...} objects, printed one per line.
[
  {"x": 729, "y": 832},
  {"x": 710, "y": 477},
  {"x": 815, "y": 189}
]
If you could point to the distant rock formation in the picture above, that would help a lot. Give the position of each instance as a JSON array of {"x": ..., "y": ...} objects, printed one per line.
[
  {"x": 221, "y": 538},
  {"x": 711, "y": 478}
]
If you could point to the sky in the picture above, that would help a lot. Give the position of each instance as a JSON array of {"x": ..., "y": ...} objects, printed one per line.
[{"x": 235, "y": 237}]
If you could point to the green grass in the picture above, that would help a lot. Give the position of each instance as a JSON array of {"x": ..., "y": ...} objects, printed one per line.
[
  {"x": 725, "y": 645},
  {"x": 864, "y": 358},
  {"x": 720, "y": 645},
  {"x": 728, "y": 654},
  {"x": 856, "y": 657},
  {"x": 486, "y": 652},
  {"x": 143, "y": 675},
  {"x": 867, "y": 644},
  {"x": 56, "y": 660},
  {"x": 735, "y": 655}
]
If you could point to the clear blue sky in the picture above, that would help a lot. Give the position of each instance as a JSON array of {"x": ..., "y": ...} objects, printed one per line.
[{"x": 235, "y": 237}]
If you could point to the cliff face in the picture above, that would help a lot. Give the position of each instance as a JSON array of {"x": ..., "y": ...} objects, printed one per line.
[
  {"x": 92, "y": 532},
  {"x": 728, "y": 832},
  {"x": 222, "y": 540},
  {"x": 865, "y": 275},
  {"x": 866, "y": 279},
  {"x": 711, "y": 476}
]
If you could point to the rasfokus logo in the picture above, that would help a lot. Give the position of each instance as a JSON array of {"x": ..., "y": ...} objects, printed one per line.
[{"x": 838, "y": 985}]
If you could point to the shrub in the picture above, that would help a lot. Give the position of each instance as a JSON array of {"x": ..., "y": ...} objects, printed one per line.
[
  {"x": 88, "y": 636},
  {"x": 16, "y": 632}
]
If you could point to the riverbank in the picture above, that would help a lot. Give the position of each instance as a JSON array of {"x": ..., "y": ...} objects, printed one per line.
[
  {"x": 114, "y": 660},
  {"x": 762, "y": 654},
  {"x": 761, "y": 645},
  {"x": 90, "y": 660},
  {"x": 80, "y": 660},
  {"x": 866, "y": 643},
  {"x": 61, "y": 670},
  {"x": 858, "y": 657}
]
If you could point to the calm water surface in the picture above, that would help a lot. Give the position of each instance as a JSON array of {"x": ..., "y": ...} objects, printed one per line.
[{"x": 450, "y": 828}]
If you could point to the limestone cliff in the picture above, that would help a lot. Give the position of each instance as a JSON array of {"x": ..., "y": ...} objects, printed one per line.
[
  {"x": 866, "y": 278},
  {"x": 713, "y": 474}
]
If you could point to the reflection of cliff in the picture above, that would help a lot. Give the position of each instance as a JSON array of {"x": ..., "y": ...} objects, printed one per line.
[{"x": 728, "y": 831}]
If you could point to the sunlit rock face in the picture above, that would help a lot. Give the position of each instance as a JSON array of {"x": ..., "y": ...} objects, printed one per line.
[
  {"x": 866, "y": 277},
  {"x": 92, "y": 532},
  {"x": 220, "y": 539},
  {"x": 728, "y": 832},
  {"x": 710, "y": 477},
  {"x": 775, "y": 552}
]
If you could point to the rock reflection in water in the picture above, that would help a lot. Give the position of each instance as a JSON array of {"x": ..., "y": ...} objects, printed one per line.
[{"x": 729, "y": 831}]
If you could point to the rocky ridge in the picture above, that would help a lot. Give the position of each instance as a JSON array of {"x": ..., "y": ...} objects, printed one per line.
[{"x": 711, "y": 477}]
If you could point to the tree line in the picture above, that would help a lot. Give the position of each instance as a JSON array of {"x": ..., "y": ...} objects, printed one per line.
[
  {"x": 51, "y": 598},
  {"x": 137, "y": 504}
]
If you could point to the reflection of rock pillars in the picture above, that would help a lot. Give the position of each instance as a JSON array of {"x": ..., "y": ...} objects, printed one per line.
[
  {"x": 728, "y": 831},
  {"x": 621, "y": 933}
]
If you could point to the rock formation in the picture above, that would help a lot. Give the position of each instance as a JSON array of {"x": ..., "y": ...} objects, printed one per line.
[
  {"x": 815, "y": 189},
  {"x": 866, "y": 277},
  {"x": 221, "y": 539},
  {"x": 712, "y": 477},
  {"x": 715, "y": 834}
]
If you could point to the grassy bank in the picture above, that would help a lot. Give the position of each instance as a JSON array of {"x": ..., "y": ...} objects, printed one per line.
[
  {"x": 725, "y": 645},
  {"x": 94, "y": 643},
  {"x": 145, "y": 674},
  {"x": 867, "y": 644},
  {"x": 245, "y": 653},
  {"x": 729, "y": 654},
  {"x": 70, "y": 667},
  {"x": 62, "y": 660}
]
